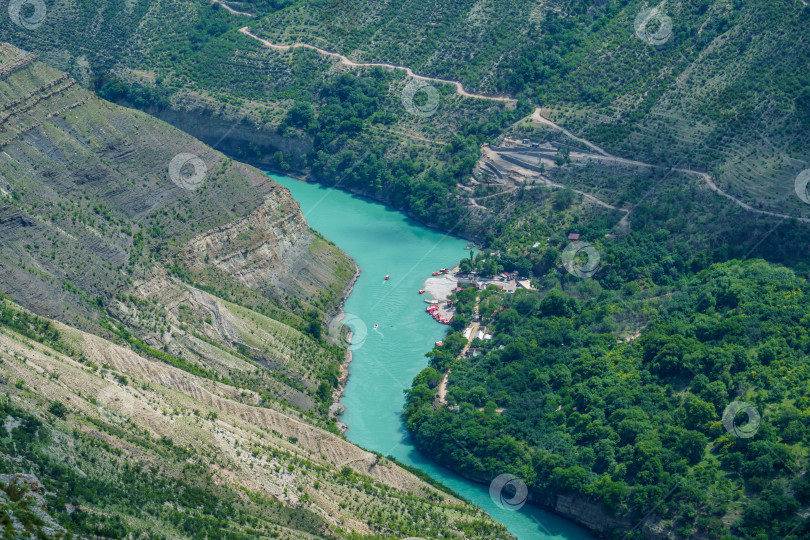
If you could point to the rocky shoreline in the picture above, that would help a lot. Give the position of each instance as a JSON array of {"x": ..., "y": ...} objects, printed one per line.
[{"x": 336, "y": 409}]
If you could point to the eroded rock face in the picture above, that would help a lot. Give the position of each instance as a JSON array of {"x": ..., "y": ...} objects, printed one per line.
[
  {"x": 260, "y": 249},
  {"x": 594, "y": 517},
  {"x": 233, "y": 133},
  {"x": 93, "y": 214},
  {"x": 230, "y": 440},
  {"x": 88, "y": 203},
  {"x": 22, "y": 502}
]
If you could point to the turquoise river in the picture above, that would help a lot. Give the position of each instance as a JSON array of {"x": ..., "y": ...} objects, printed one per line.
[{"x": 384, "y": 242}]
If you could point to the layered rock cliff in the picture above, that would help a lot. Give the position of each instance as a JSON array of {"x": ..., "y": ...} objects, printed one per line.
[
  {"x": 180, "y": 372},
  {"x": 109, "y": 213},
  {"x": 89, "y": 193}
]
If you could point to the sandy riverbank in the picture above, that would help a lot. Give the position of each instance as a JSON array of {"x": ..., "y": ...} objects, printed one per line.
[{"x": 440, "y": 287}]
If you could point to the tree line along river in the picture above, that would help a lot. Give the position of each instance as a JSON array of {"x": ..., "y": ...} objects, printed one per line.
[{"x": 385, "y": 360}]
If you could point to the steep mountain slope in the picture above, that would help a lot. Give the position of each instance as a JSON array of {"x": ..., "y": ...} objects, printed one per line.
[
  {"x": 185, "y": 388},
  {"x": 721, "y": 87},
  {"x": 187, "y": 64},
  {"x": 96, "y": 223},
  {"x": 127, "y": 445}
]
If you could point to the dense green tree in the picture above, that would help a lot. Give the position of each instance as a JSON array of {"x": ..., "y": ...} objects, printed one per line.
[{"x": 623, "y": 423}]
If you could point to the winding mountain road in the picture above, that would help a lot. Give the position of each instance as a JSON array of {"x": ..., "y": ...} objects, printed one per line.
[
  {"x": 226, "y": 7},
  {"x": 706, "y": 177},
  {"x": 536, "y": 116},
  {"x": 350, "y": 63}
]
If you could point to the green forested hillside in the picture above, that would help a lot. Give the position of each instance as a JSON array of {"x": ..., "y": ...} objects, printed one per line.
[
  {"x": 361, "y": 136},
  {"x": 725, "y": 91},
  {"x": 637, "y": 425},
  {"x": 631, "y": 425}
]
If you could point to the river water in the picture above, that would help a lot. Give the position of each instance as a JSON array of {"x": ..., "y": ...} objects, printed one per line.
[{"x": 384, "y": 242}]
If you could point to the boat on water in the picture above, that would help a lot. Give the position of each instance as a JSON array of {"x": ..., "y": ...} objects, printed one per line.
[
  {"x": 375, "y": 326},
  {"x": 421, "y": 291},
  {"x": 439, "y": 344},
  {"x": 434, "y": 302},
  {"x": 387, "y": 277}
]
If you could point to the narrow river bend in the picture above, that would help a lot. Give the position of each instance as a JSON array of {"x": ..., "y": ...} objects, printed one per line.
[{"x": 384, "y": 242}]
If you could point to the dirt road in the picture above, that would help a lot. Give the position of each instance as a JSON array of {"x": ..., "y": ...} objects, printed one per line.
[
  {"x": 350, "y": 63},
  {"x": 706, "y": 177},
  {"x": 535, "y": 116},
  {"x": 226, "y": 7}
]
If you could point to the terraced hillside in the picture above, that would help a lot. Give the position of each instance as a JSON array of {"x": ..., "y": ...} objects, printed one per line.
[
  {"x": 722, "y": 89},
  {"x": 177, "y": 363},
  {"x": 117, "y": 444},
  {"x": 187, "y": 64},
  {"x": 97, "y": 234}
]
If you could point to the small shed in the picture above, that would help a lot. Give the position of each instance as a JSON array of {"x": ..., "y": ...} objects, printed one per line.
[{"x": 574, "y": 237}]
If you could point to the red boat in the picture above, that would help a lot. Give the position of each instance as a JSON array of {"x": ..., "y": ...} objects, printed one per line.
[
  {"x": 438, "y": 343},
  {"x": 422, "y": 291},
  {"x": 387, "y": 277},
  {"x": 436, "y": 273}
]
